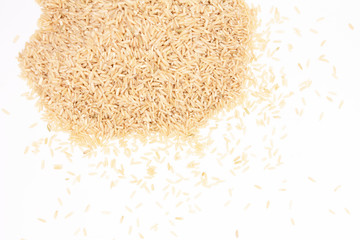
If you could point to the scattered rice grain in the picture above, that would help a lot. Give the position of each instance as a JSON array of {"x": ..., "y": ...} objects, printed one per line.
[
  {"x": 33, "y": 125},
  {"x": 42, "y": 220},
  {"x": 257, "y": 186},
  {"x": 69, "y": 215},
  {"x": 337, "y": 188},
  {"x": 58, "y": 166},
  {"x": 26, "y": 149},
  {"x": 5, "y": 111},
  {"x": 313, "y": 31},
  {"x": 16, "y": 38},
  {"x": 311, "y": 179},
  {"x": 292, "y": 221},
  {"x": 247, "y": 206},
  {"x": 347, "y": 211},
  {"x": 341, "y": 104}
]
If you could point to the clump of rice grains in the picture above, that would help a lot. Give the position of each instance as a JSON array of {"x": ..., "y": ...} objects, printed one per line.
[{"x": 105, "y": 69}]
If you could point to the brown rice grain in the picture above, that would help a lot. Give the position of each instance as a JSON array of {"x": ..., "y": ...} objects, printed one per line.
[
  {"x": 58, "y": 166},
  {"x": 69, "y": 215},
  {"x": 292, "y": 221},
  {"x": 337, "y": 188},
  {"x": 5, "y": 111},
  {"x": 311, "y": 179},
  {"x": 16, "y": 38},
  {"x": 247, "y": 206},
  {"x": 258, "y": 187},
  {"x": 347, "y": 211},
  {"x": 42, "y": 220},
  {"x": 341, "y": 104},
  {"x": 33, "y": 125}
]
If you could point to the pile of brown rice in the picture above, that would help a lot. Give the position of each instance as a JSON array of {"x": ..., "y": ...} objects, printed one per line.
[{"x": 109, "y": 68}]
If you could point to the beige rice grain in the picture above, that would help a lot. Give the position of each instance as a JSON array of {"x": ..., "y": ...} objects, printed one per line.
[
  {"x": 26, "y": 149},
  {"x": 129, "y": 209},
  {"x": 329, "y": 99},
  {"x": 297, "y": 31},
  {"x": 323, "y": 59},
  {"x": 314, "y": 31},
  {"x": 33, "y": 125},
  {"x": 311, "y": 179},
  {"x": 337, "y": 188},
  {"x": 42, "y": 220},
  {"x": 16, "y": 38},
  {"x": 58, "y": 166},
  {"x": 347, "y": 211},
  {"x": 341, "y": 104},
  {"x": 87, "y": 208},
  {"x": 300, "y": 66},
  {"x": 258, "y": 187},
  {"x": 69, "y": 215},
  {"x": 292, "y": 221},
  {"x": 5, "y": 111},
  {"x": 77, "y": 231}
]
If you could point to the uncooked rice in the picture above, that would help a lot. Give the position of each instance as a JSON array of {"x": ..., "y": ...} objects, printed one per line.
[
  {"x": 5, "y": 111},
  {"x": 16, "y": 38},
  {"x": 109, "y": 68}
]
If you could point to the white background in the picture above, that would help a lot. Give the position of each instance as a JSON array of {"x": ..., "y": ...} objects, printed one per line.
[{"x": 326, "y": 150}]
